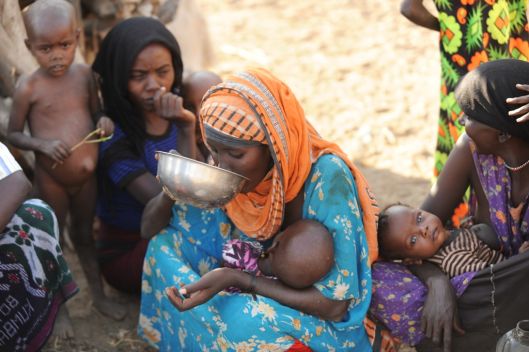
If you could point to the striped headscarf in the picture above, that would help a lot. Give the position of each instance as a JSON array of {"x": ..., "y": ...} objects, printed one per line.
[{"x": 254, "y": 107}]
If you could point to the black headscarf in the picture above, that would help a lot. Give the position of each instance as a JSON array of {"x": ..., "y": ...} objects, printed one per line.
[
  {"x": 482, "y": 92},
  {"x": 114, "y": 61}
]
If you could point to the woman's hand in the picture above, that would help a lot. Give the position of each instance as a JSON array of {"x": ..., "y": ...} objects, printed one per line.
[
  {"x": 521, "y": 113},
  {"x": 192, "y": 295},
  {"x": 439, "y": 314},
  {"x": 171, "y": 107}
]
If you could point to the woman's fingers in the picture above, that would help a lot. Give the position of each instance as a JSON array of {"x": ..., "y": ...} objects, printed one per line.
[
  {"x": 447, "y": 338},
  {"x": 523, "y": 118},
  {"x": 521, "y": 113},
  {"x": 458, "y": 328},
  {"x": 157, "y": 99},
  {"x": 524, "y": 87}
]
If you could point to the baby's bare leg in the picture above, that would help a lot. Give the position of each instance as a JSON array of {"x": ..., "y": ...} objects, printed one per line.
[{"x": 82, "y": 218}]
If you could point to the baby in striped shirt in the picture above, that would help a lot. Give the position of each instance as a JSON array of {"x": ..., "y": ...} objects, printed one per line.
[{"x": 413, "y": 235}]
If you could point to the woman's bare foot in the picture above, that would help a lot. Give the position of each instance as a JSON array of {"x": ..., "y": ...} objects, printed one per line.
[
  {"x": 63, "y": 328},
  {"x": 110, "y": 308}
]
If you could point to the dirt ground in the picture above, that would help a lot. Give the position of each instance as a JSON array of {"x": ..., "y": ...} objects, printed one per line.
[{"x": 367, "y": 78}]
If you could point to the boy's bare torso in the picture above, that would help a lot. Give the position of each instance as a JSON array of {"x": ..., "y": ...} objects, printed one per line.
[{"x": 60, "y": 110}]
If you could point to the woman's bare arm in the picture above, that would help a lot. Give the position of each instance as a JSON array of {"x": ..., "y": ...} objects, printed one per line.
[
  {"x": 14, "y": 190},
  {"x": 144, "y": 187},
  {"x": 453, "y": 181},
  {"x": 156, "y": 215},
  {"x": 415, "y": 11}
]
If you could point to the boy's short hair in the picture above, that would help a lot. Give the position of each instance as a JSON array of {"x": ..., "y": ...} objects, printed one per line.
[{"x": 59, "y": 8}]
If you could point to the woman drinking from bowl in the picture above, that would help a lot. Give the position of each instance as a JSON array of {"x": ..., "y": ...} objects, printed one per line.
[
  {"x": 140, "y": 68},
  {"x": 254, "y": 126}
]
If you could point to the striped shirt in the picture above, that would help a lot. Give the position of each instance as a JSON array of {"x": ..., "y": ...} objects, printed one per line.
[
  {"x": 8, "y": 164},
  {"x": 466, "y": 253}
]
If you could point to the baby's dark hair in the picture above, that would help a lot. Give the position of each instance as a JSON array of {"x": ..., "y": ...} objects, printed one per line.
[{"x": 382, "y": 232}]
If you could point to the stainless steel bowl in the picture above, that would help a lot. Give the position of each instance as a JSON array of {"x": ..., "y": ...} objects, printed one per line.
[{"x": 190, "y": 181}]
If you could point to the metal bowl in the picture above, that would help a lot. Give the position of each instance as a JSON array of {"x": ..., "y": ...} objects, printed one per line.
[{"x": 190, "y": 181}]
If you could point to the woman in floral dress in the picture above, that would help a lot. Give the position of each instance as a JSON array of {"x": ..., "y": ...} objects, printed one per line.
[{"x": 254, "y": 125}]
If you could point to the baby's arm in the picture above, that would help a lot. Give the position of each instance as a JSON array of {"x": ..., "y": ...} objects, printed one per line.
[{"x": 54, "y": 149}]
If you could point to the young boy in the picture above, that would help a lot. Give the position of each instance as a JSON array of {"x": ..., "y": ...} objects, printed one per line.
[
  {"x": 60, "y": 103},
  {"x": 414, "y": 235}
]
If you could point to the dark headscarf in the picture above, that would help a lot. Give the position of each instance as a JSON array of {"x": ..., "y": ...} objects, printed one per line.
[
  {"x": 114, "y": 61},
  {"x": 482, "y": 92}
]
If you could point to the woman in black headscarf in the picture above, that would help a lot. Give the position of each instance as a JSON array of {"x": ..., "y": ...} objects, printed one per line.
[
  {"x": 493, "y": 159},
  {"x": 140, "y": 71}
]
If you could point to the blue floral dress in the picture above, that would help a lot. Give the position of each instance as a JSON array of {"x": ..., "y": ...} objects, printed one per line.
[{"x": 192, "y": 245}]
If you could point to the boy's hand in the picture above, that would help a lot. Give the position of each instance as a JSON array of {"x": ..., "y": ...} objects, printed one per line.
[
  {"x": 524, "y": 247},
  {"x": 106, "y": 125},
  {"x": 521, "y": 113},
  {"x": 55, "y": 150},
  {"x": 170, "y": 106}
]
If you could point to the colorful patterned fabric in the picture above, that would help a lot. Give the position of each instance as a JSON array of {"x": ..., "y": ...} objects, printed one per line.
[
  {"x": 34, "y": 278},
  {"x": 243, "y": 255},
  {"x": 192, "y": 245},
  {"x": 262, "y": 105},
  {"x": 398, "y": 299},
  {"x": 473, "y": 32},
  {"x": 511, "y": 222},
  {"x": 466, "y": 253}
]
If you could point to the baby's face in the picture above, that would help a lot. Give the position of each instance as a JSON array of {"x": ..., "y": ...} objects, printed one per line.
[
  {"x": 414, "y": 233},
  {"x": 54, "y": 48}
]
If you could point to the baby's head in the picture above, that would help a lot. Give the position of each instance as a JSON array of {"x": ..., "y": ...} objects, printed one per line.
[
  {"x": 301, "y": 254},
  {"x": 52, "y": 34},
  {"x": 409, "y": 233}
]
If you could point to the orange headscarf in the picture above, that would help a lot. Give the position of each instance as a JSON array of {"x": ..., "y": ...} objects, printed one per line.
[{"x": 257, "y": 107}]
